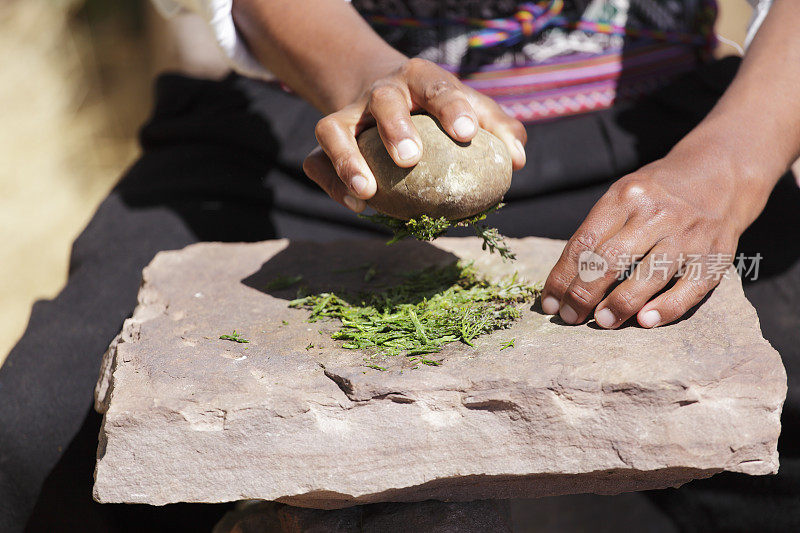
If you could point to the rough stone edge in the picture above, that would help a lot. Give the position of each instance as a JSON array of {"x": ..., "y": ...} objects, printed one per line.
[
  {"x": 465, "y": 488},
  {"x": 149, "y": 307}
]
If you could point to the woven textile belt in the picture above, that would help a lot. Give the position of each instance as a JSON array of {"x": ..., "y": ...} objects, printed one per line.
[
  {"x": 575, "y": 83},
  {"x": 581, "y": 83}
]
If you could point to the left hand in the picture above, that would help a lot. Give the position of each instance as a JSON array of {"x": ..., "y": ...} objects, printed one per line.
[{"x": 684, "y": 205}]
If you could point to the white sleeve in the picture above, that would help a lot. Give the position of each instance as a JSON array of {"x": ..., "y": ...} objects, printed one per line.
[
  {"x": 217, "y": 14},
  {"x": 760, "y": 9}
]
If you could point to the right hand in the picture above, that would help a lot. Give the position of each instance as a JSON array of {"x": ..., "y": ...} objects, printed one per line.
[{"x": 417, "y": 85}]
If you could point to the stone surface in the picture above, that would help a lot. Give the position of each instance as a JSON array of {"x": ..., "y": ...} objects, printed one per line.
[
  {"x": 568, "y": 409},
  {"x": 453, "y": 180}
]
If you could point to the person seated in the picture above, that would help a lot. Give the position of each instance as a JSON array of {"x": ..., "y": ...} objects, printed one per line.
[{"x": 629, "y": 141}]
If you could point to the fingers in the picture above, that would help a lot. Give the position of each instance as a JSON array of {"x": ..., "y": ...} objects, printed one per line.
[
  {"x": 634, "y": 296},
  {"x": 389, "y": 105},
  {"x": 672, "y": 304},
  {"x": 599, "y": 269},
  {"x": 443, "y": 96},
  {"x": 515, "y": 144},
  {"x": 419, "y": 84},
  {"x": 461, "y": 110},
  {"x": 601, "y": 223},
  {"x": 493, "y": 119},
  {"x": 650, "y": 276},
  {"x": 336, "y": 136},
  {"x": 319, "y": 168}
]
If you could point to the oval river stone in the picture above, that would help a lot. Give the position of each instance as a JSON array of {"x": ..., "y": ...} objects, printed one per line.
[{"x": 454, "y": 180}]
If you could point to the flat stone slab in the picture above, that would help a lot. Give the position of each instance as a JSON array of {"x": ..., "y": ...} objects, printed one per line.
[{"x": 293, "y": 417}]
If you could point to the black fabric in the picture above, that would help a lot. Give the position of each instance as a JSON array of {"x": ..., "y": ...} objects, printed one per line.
[{"x": 221, "y": 161}]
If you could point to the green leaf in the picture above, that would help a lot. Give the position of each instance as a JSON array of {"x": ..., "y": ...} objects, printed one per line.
[
  {"x": 429, "y": 309},
  {"x": 235, "y": 337}
]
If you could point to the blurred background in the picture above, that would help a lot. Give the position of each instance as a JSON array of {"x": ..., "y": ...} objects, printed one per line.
[{"x": 76, "y": 86}]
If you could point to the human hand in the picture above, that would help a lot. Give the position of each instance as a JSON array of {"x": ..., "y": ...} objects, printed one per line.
[
  {"x": 337, "y": 165},
  {"x": 685, "y": 206}
]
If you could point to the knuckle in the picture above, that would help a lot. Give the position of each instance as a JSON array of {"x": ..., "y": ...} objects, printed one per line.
[
  {"x": 624, "y": 302},
  {"x": 557, "y": 283},
  {"x": 632, "y": 191},
  {"x": 582, "y": 242},
  {"x": 325, "y": 127},
  {"x": 691, "y": 295},
  {"x": 639, "y": 191},
  {"x": 383, "y": 92},
  {"x": 706, "y": 286},
  {"x": 438, "y": 89},
  {"x": 416, "y": 64},
  {"x": 697, "y": 289},
  {"x": 612, "y": 252},
  {"x": 344, "y": 166},
  {"x": 395, "y": 130},
  {"x": 580, "y": 295},
  {"x": 669, "y": 305},
  {"x": 693, "y": 225}
]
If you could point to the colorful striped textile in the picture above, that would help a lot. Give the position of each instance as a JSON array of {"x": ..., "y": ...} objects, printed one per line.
[
  {"x": 578, "y": 82},
  {"x": 582, "y": 82},
  {"x": 531, "y": 18}
]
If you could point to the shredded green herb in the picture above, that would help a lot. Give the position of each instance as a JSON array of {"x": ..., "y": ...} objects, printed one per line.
[
  {"x": 429, "y": 309},
  {"x": 425, "y": 228},
  {"x": 509, "y": 344},
  {"x": 235, "y": 337}
]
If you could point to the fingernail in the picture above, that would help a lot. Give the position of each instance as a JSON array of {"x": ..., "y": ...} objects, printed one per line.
[
  {"x": 550, "y": 305},
  {"x": 520, "y": 148},
  {"x": 407, "y": 149},
  {"x": 359, "y": 185},
  {"x": 353, "y": 203},
  {"x": 650, "y": 319},
  {"x": 464, "y": 126},
  {"x": 568, "y": 314},
  {"x": 605, "y": 318}
]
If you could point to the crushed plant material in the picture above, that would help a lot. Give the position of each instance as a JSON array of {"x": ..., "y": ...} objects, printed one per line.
[{"x": 428, "y": 310}]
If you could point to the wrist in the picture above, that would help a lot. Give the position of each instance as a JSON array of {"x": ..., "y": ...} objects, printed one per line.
[
  {"x": 323, "y": 49},
  {"x": 733, "y": 160}
]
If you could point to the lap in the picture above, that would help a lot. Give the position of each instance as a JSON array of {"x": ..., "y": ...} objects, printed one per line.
[{"x": 222, "y": 161}]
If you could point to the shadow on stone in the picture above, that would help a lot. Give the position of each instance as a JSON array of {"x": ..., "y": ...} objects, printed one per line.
[{"x": 347, "y": 267}]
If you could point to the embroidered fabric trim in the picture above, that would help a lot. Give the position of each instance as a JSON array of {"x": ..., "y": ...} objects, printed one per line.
[{"x": 578, "y": 82}]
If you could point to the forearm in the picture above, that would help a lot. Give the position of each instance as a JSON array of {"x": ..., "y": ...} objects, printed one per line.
[
  {"x": 756, "y": 124},
  {"x": 322, "y": 49}
]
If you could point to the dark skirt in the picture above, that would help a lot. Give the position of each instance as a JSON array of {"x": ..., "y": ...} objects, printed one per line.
[{"x": 222, "y": 161}]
